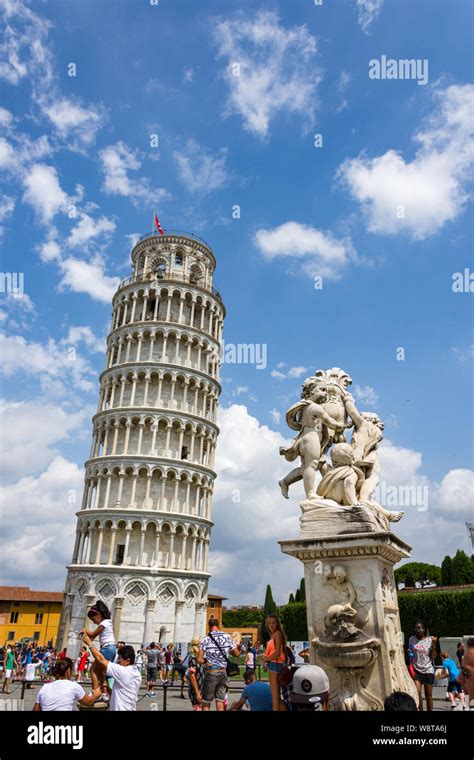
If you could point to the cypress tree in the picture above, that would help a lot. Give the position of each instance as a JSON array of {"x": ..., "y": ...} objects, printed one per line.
[
  {"x": 303, "y": 590},
  {"x": 447, "y": 571},
  {"x": 268, "y": 607}
]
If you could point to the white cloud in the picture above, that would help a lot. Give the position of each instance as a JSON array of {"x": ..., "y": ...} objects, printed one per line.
[
  {"x": 88, "y": 277},
  {"x": 6, "y": 117},
  {"x": 368, "y": 10},
  {"x": 277, "y": 72},
  {"x": 7, "y": 154},
  {"x": 31, "y": 432},
  {"x": 44, "y": 193},
  {"x": 275, "y": 415},
  {"x": 296, "y": 372},
  {"x": 87, "y": 229},
  {"x": 84, "y": 334},
  {"x": 73, "y": 121},
  {"x": 40, "y": 544},
  {"x": 189, "y": 74},
  {"x": 240, "y": 390},
  {"x": 277, "y": 374},
  {"x": 455, "y": 497},
  {"x": 421, "y": 196},
  {"x": 199, "y": 170},
  {"x": 320, "y": 252},
  {"x": 117, "y": 161},
  {"x": 49, "y": 249},
  {"x": 463, "y": 354},
  {"x": 25, "y": 54},
  {"x": 23, "y": 50},
  {"x": 366, "y": 394},
  {"x": 133, "y": 239},
  {"x": 7, "y": 206},
  {"x": 248, "y": 511},
  {"x": 50, "y": 359}
]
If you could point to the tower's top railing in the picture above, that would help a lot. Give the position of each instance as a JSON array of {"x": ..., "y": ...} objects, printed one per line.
[{"x": 181, "y": 233}]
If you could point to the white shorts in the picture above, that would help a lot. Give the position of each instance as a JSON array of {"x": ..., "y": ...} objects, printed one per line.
[{"x": 8, "y": 673}]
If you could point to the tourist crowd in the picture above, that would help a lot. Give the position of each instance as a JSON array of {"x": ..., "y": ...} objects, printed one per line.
[{"x": 116, "y": 671}]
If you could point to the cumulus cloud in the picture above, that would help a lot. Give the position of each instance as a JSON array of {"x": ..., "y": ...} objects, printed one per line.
[
  {"x": 40, "y": 545},
  {"x": 73, "y": 121},
  {"x": 84, "y": 334},
  {"x": 88, "y": 229},
  {"x": 456, "y": 494},
  {"x": 199, "y": 170},
  {"x": 88, "y": 277},
  {"x": 117, "y": 161},
  {"x": 44, "y": 193},
  {"x": 248, "y": 510},
  {"x": 419, "y": 197},
  {"x": 31, "y": 433},
  {"x": 44, "y": 360},
  {"x": 319, "y": 253},
  {"x": 269, "y": 69}
]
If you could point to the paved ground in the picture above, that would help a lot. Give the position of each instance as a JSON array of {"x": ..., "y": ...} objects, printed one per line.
[{"x": 173, "y": 699}]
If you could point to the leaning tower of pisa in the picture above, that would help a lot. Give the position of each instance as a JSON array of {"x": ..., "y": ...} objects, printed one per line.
[{"x": 144, "y": 525}]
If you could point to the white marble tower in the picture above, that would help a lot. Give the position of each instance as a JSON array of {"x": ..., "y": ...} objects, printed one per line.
[{"x": 143, "y": 529}]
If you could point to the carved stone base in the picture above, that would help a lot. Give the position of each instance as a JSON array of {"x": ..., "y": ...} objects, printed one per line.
[{"x": 353, "y": 620}]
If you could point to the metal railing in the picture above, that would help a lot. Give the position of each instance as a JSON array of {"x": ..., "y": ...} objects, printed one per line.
[
  {"x": 170, "y": 276},
  {"x": 190, "y": 235}
]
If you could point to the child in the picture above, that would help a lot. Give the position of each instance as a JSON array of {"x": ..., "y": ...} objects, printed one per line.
[{"x": 100, "y": 615}]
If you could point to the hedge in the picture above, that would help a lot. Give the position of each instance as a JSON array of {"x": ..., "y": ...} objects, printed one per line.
[
  {"x": 447, "y": 613},
  {"x": 293, "y": 620}
]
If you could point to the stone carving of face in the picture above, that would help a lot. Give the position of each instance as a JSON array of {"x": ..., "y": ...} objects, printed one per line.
[
  {"x": 319, "y": 394},
  {"x": 339, "y": 574}
]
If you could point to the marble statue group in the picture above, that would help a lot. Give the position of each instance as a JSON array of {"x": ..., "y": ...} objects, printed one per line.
[{"x": 322, "y": 418}]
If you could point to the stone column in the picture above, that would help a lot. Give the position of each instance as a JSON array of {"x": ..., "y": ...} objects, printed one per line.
[
  {"x": 89, "y": 600},
  {"x": 113, "y": 536},
  {"x": 117, "y": 616},
  {"x": 148, "y": 626},
  {"x": 99, "y": 546},
  {"x": 177, "y": 631},
  {"x": 361, "y": 648},
  {"x": 199, "y": 619}
]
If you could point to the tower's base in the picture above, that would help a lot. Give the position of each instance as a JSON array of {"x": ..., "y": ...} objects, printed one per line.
[
  {"x": 353, "y": 619},
  {"x": 160, "y": 606}
]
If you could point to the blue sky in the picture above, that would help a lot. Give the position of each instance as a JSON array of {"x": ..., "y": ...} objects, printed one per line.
[{"x": 380, "y": 211}]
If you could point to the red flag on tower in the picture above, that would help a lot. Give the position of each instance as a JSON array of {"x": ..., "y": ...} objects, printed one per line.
[{"x": 157, "y": 225}]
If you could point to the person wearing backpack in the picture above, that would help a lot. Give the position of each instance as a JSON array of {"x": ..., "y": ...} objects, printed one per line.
[{"x": 214, "y": 651}]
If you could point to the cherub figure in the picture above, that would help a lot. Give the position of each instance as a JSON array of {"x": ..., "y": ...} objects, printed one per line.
[
  {"x": 344, "y": 479},
  {"x": 367, "y": 435},
  {"x": 312, "y": 421},
  {"x": 344, "y": 592}
]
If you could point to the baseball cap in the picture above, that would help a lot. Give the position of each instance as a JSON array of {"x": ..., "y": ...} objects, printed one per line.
[{"x": 309, "y": 681}]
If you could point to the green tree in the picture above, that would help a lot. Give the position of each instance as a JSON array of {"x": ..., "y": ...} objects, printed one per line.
[
  {"x": 291, "y": 600},
  {"x": 418, "y": 572},
  {"x": 409, "y": 579},
  {"x": 302, "y": 590},
  {"x": 447, "y": 571},
  {"x": 462, "y": 568},
  {"x": 298, "y": 595},
  {"x": 268, "y": 607}
]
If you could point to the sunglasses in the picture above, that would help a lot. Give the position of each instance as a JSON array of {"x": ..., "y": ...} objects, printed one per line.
[{"x": 464, "y": 674}]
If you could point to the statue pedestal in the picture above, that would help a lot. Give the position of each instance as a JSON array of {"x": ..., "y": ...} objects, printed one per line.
[{"x": 353, "y": 619}]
